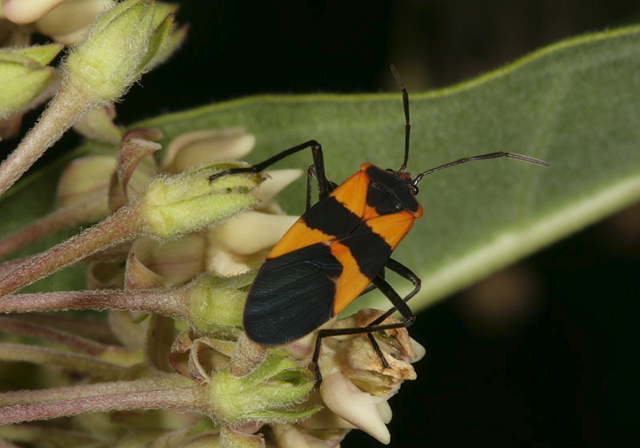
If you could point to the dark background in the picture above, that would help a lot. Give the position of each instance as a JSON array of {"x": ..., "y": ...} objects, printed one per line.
[{"x": 541, "y": 355}]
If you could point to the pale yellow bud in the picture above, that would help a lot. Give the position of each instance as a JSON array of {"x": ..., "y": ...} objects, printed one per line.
[
  {"x": 24, "y": 76},
  {"x": 173, "y": 205}
]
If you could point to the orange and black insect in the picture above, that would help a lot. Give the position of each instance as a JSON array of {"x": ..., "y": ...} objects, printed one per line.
[{"x": 339, "y": 249}]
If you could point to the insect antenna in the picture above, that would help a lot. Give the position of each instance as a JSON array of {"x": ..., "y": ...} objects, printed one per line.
[
  {"x": 493, "y": 155},
  {"x": 407, "y": 125}
]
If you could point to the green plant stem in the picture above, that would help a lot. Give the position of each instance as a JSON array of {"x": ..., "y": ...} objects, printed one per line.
[
  {"x": 79, "y": 363},
  {"x": 118, "y": 227}
]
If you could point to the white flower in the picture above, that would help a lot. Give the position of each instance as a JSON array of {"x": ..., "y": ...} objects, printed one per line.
[
  {"x": 64, "y": 21},
  {"x": 355, "y": 384},
  {"x": 364, "y": 411}
]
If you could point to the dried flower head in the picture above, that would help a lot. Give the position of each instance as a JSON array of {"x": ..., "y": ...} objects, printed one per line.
[{"x": 356, "y": 386}]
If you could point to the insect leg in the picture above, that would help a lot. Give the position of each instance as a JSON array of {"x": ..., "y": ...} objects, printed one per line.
[
  {"x": 371, "y": 287},
  {"x": 405, "y": 273},
  {"x": 407, "y": 120},
  {"x": 375, "y": 326},
  {"x": 324, "y": 185},
  {"x": 311, "y": 173},
  {"x": 408, "y": 274}
]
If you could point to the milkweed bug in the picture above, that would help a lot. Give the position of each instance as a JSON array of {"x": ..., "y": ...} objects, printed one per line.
[{"x": 339, "y": 249}]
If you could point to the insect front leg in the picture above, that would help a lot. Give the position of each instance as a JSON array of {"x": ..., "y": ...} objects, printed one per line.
[
  {"x": 311, "y": 173},
  {"x": 324, "y": 185}
]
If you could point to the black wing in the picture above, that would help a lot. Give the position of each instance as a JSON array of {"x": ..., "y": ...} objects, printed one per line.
[{"x": 292, "y": 295}]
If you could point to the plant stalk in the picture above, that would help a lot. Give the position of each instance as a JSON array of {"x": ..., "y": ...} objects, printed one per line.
[
  {"x": 179, "y": 399},
  {"x": 118, "y": 227}
]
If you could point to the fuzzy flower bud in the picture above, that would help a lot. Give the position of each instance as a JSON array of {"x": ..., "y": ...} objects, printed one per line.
[
  {"x": 174, "y": 205},
  {"x": 236, "y": 245},
  {"x": 266, "y": 394},
  {"x": 124, "y": 42},
  {"x": 130, "y": 28},
  {"x": 24, "y": 75},
  {"x": 217, "y": 302}
]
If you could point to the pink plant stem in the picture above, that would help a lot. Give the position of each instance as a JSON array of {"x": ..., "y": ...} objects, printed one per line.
[
  {"x": 167, "y": 302},
  {"x": 54, "y": 121},
  {"x": 24, "y": 397},
  {"x": 183, "y": 399},
  {"x": 10, "y": 265},
  {"x": 118, "y": 227}
]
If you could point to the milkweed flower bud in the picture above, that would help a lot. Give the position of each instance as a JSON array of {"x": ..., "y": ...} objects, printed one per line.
[
  {"x": 99, "y": 65},
  {"x": 193, "y": 148},
  {"x": 87, "y": 178},
  {"x": 24, "y": 76},
  {"x": 266, "y": 394},
  {"x": 123, "y": 43},
  {"x": 25, "y": 11},
  {"x": 175, "y": 205},
  {"x": 216, "y": 303},
  {"x": 242, "y": 242}
]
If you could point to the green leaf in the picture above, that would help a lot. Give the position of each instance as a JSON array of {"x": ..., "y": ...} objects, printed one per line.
[{"x": 573, "y": 104}]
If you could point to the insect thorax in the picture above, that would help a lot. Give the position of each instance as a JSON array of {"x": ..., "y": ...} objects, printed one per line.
[{"x": 390, "y": 191}]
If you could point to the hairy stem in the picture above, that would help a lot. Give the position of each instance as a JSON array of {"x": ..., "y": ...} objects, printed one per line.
[
  {"x": 180, "y": 399},
  {"x": 63, "y": 111},
  {"x": 167, "y": 302},
  {"x": 24, "y": 397},
  {"x": 118, "y": 227}
]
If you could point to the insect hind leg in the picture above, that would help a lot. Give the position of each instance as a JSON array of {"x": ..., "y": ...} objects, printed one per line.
[{"x": 399, "y": 304}]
